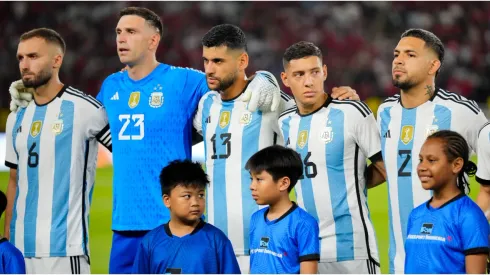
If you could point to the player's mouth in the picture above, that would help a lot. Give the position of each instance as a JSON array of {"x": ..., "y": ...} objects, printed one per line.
[
  {"x": 123, "y": 50},
  {"x": 255, "y": 196},
  {"x": 398, "y": 71},
  {"x": 212, "y": 80},
  {"x": 195, "y": 212},
  {"x": 425, "y": 178},
  {"x": 309, "y": 93}
]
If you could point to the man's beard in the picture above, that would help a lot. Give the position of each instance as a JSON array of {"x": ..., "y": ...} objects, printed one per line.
[
  {"x": 403, "y": 85},
  {"x": 38, "y": 80},
  {"x": 226, "y": 83}
]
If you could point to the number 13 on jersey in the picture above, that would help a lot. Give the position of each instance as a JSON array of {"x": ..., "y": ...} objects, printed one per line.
[{"x": 136, "y": 120}]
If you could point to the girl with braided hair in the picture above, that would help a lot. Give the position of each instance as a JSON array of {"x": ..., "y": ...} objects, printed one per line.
[{"x": 448, "y": 233}]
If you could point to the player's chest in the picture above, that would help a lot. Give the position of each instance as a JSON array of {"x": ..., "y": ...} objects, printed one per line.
[{"x": 433, "y": 232}]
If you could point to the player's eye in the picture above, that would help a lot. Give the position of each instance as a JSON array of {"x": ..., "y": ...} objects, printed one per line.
[
  {"x": 201, "y": 196},
  {"x": 187, "y": 196},
  {"x": 411, "y": 55},
  {"x": 420, "y": 160}
]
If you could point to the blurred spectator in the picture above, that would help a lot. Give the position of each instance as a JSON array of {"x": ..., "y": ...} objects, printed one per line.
[{"x": 357, "y": 38}]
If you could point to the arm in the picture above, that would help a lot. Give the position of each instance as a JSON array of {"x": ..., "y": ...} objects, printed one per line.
[
  {"x": 15, "y": 263},
  {"x": 308, "y": 267},
  {"x": 141, "y": 264},
  {"x": 98, "y": 127},
  {"x": 476, "y": 264},
  {"x": 376, "y": 172},
  {"x": 483, "y": 172},
  {"x": 11, "y": 190},
  {"x": 227, "y": 259}
]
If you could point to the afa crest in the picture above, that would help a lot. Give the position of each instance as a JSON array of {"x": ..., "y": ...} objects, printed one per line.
[
  {"x": 36, "y": 127},
  {"x": 302, "y": 139},
  {"x": 246, "y": 118},
  {"x": 407, "y": 134},
  {"x": 432, "y": 129},
  {"x": 57, "y": 126},
  {"x": 224, "y": 119},
  {"x": 156, "y": 99},
  {"x": 134, "y": 99},
  {"x": 326, "y": 135}
]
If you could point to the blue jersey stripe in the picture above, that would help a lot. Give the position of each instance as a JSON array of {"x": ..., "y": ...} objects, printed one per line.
[
  {"x": 250, "y": 145},
  {"x": 206, "y": 109},
  {"x": 62, "y": 179},
  {"x": 285, "y": 129},
  {"x": 18, "y": 123},
  {"x": 220, "y": 151},
  {"x": 338, "y": 189},
  {"x": 306, "y": 184},
  {"x": 405, "y": 158},
  {"x": 442, "y": 118},
  {"x": 33, "y": 145},
  {"x": 385, "y": 123}
]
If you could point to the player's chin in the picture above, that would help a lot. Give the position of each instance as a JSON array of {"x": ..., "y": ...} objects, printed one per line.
[{"x": 427, "y": 185}]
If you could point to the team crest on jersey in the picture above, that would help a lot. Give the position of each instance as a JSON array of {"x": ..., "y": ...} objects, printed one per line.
[
  {"x": 426, "y": 228},
  {"x": 302, "y": 138},
  {"x": 326, "y": 135},
  {"x": 432, "y": 129},
  {"x": 134, "y": 99},
  {"x": 264, "y": 242},
  {"x": 246, "y": 118},
  {"x": 224, "y": 119},
  {"x": 156, "y": 99},
  {"x": 58, "y": 126},
  {"x": 36, "y": 128},
  {"x": 407, "y": 134}
]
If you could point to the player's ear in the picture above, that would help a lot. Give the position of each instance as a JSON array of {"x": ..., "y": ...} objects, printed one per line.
[
  {"x": 284, "y": 183},
  {"x": 243, "y": 61},
  {"x": 457, "y": 165},
  {"x": 166, "y": 200},
  {"x": 284, "y": 78},
  {"x": 57, "y": 60},
  {"x": 154, "y": 41},
  {"x": 435, "y": 65},
  {"x": 325, "y": 72}
]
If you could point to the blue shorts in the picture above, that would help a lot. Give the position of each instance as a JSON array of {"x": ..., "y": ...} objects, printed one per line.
[{"x": 123, "y": 250}]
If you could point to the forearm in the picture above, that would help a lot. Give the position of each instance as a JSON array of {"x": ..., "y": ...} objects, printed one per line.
[
  {"x": 476, "y": 264},
  {"x": 375, "y": 174},
  {"x": 483, "y": 200},
  {"x": 11, "y": 190},
  {"x": 308, "y": 267}
]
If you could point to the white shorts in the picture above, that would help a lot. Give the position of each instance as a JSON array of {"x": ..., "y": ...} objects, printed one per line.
[
  {"x": 58, "y": 265},
  {"x": 349, "y": 267},
  {"x": 244, "y": 263}
]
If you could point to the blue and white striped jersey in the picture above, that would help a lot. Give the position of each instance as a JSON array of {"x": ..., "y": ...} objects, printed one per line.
[
  {"x": 231, "y": 136},
  {"x": 403, "y": 131},
  {"x": 483, "y": 172},
  {"x": 54, "y": 149},
  {"x": 334, "y": 143}
]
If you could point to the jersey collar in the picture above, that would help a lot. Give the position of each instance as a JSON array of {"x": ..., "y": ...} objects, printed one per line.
[
  {"x": 232, "y": 99},
  {"x": 448, "y": 202},
  {"x": 436, "y": 89},
  {"x": 199, "y": 226},
  {"x": 60, "y": 93},
  {"x": 283, "y": 215}
]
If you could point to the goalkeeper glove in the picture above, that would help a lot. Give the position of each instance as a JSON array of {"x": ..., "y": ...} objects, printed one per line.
[
  {"x": 263, "y": 92},
  {"x": 20, "y": 95}
]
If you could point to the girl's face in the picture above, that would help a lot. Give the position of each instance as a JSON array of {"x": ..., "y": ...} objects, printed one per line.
[{"x": 434, "y": 169}]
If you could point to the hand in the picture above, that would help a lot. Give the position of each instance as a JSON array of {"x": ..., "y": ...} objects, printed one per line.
[
  {"x": 344, "y": 92},
  {"x": 263, "y": 92},
  {"x": 20, "y": 95}
]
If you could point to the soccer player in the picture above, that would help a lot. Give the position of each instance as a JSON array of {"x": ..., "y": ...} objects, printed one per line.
[
  {"x": 186, "y": 244},
  {"x": 334, "y": 139},
  {"x": 52, "y": 154},
  {"x": 448, "y": 233},
  {"x": 283, "y": 236},
  {"x": 11, "y": 259},
  {"x": 406, "y": 119},
  {"x": 232, "y": 134}
]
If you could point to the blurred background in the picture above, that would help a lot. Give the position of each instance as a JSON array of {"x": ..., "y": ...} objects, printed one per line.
[{"x": 357, "y": 39}]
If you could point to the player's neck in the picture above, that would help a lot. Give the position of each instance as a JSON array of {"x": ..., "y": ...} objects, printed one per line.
[
  {"x": 306, "y": 109},
  {"x": 179, "y": 229},
  {"x": 418, "y": 95},
  {"x": 45, "y": 93},
  {"x": 444, "y": 194},
  {"x": 235, "y": 89},
  {"x": 279, "y": 208},
  {"x": 140, "y": 71}
]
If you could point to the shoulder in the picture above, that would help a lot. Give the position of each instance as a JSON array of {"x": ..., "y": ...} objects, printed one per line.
[
  {"x": 485, "y": 131},
  {"x": 352, "y": 107},
  {"x": 10, "y": 249},
  {"x": 184, "y": 71},
  {"x": 304, "y": 217},
  {"x": 288, "y": 112},
  {"x": 457, "y": 102},
  {"x": 259, "y": 213},
  {"x": 469, "y": 207},
  {"x": 154, "y": 235},
  {"x": 80, "y": 99},
  {"x": 214, "y": 232},
  {"x": 389, "y": 102}
]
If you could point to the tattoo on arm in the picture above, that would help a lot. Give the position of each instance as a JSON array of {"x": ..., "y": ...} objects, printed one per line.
[{"x": 430, "y": 90}]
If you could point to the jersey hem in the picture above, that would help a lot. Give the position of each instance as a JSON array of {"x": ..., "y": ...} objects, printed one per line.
[
  {"x": 343, "y": 259},
  {"x": 50, "y": 255},
  {"x": 482, "y": 181},
  {"x": 10, "y": 165},
  {"x": 476, "y": 250},
  {"x": 309, "y": 257}
]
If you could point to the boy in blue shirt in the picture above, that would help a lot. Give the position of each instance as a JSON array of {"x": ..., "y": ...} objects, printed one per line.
[
  {"x": 11, "y": 259},
  {"x": 448, "y": 233},
  {"x": 186, "y": 244},
  {"x": 283, "y": 237}
]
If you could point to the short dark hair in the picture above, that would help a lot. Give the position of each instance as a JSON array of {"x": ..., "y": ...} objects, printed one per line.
[
  {"x": 227, "y": 35},
  {"x": 431, "y": 41},
  {"x": 3, "y": 203},
  {"x": 184, "y": 173},
  {"x": 49, "y": 35},
  {"x": 150, "y": 17},
  {"x": 279, "y": 162},
  {"x": 455, "y": 146},
  {"x": 300, "y": 50}
]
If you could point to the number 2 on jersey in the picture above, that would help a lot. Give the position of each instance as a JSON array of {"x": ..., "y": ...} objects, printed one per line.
[
  {"x": 138, "y": 120},
  {"x": 408, "y": 154}
]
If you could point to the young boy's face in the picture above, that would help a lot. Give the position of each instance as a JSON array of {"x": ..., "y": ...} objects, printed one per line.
[
  {"x": 264, "y": 189},
  {"x": 186, "y": 203}
]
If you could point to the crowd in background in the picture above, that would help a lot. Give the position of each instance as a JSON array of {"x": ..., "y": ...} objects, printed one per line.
[{"x": 357, "y": 38}]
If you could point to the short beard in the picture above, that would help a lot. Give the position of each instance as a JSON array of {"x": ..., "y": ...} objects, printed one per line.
[
  {"x": 405, "y": 85},
  {"x": 38, "y": 80},
  {"x": 228, "y": 81}
]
